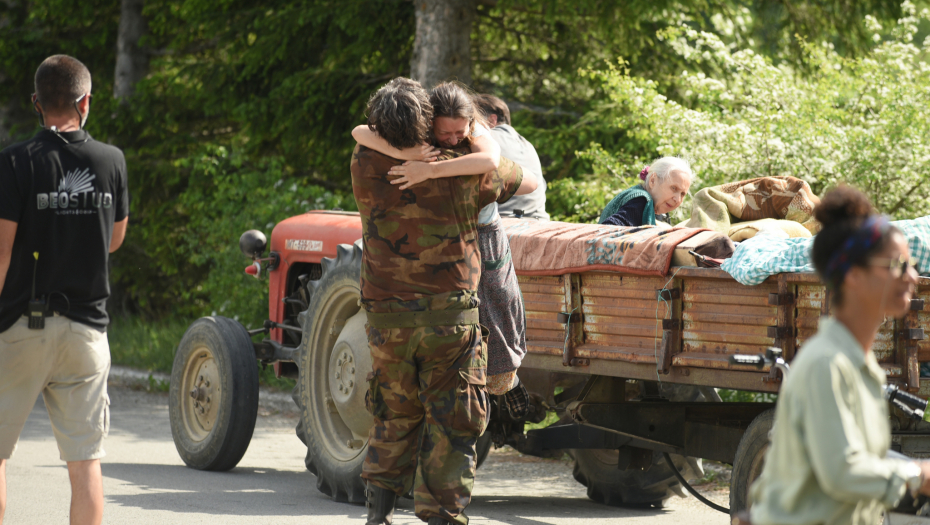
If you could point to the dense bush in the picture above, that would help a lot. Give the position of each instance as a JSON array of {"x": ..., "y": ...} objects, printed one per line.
[
  {"x": 227, "y": 195},
  {"x": 855, "y": 120},
  {"x": 861, "y": 121}
]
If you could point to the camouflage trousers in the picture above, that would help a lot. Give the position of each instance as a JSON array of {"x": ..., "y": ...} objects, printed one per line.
[{"x": 427, "y": 395}]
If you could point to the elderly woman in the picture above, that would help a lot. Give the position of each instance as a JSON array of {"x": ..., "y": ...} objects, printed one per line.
[
  {"x": 665, "y": 184},
  {"x": 827, "y": 463}
]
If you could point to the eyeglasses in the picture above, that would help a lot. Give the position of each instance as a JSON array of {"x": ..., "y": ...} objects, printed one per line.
[{"x": 896, "y": 266}]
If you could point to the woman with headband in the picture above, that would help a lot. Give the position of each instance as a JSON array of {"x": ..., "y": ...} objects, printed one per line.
[
  {"x": 827, "y": 462},
  {"x": 665, "y": 184}
]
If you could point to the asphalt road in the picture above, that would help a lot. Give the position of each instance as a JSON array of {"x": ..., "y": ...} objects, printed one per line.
[{"x": 145, "y": 481}]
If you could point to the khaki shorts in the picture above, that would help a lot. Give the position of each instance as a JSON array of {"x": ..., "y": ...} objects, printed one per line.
[{"x": 68, "y": 363}]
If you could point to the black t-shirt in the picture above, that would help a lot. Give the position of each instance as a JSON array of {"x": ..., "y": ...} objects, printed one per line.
[{"x": 65, "y": 191}]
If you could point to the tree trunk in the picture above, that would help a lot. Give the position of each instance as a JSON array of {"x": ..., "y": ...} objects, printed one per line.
[
  {"x": 441, "y": 49},
  {"x": 132, "y": 62}
]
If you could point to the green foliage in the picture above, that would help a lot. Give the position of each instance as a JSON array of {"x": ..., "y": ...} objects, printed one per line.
[
  {"x": 743, "y": 396},
  {"x": 261, "y": 98},
  {"x": 258, "y": 96},
  {"x": 35, "y": 30},
  {"x": 860, "y": 121},
  {"x": 579, "y": 200},
  {"x": 529, "y": 53},
  {"x": 242, "y": 94},
  {"x": 227, "y": 195},
  {"x": 267, "y": 377},
  {"x": 530, "y": 49},
  {"x": 552, "y": 418},
  {"x": 151, "y": 345},
  {"x": 143, "y": 344}
]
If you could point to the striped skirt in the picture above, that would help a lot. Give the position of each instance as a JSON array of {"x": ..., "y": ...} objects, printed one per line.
[{"x": 501, "y": 307}]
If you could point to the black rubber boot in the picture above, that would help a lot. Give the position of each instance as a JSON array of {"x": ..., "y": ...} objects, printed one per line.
[
  {"x": 380, "y": 504},
  {"x": 520, "y": 405}
]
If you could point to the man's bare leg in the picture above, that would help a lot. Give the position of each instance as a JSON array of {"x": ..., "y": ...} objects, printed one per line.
[
  {"x": 2, "y": 489},
  {"x": 86, "y": 492}
]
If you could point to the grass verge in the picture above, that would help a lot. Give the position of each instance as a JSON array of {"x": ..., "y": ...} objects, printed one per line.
[{"x": 151, "y": 345}]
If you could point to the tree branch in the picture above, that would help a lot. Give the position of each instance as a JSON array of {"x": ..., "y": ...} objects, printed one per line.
[{"x": 900, "y": 204}]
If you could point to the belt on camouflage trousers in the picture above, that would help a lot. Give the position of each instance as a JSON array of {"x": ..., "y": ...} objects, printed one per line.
[{"x": 424, "y": 318}]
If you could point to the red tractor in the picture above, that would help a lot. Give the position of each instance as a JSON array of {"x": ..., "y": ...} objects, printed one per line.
[{"x": 629, "y": 363}]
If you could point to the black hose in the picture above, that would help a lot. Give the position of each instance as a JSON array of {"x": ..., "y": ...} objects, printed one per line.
[{"x": 681, "y": 479}]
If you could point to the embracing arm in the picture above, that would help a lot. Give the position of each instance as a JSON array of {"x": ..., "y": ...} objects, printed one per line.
[
  {"x": 485, "y": 157},
  {"x": 7, "y": 234},
  {"x": 368, "y": 138},
  {"x": 528, "y": 184}
]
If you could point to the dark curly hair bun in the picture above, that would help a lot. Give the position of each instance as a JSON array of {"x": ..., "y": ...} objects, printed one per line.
[
  {"x": 842, "y": 204},
  {"x": 842, "y": 211}
]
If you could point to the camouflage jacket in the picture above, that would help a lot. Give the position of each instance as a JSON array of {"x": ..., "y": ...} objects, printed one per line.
[{"x": 422, "y": 241}]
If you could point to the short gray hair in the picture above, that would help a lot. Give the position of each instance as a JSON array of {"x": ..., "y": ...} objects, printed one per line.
[{"x": 663, "y": 166}]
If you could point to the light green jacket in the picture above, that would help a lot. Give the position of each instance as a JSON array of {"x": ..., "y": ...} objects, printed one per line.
[{"x": 826, "y": 463}]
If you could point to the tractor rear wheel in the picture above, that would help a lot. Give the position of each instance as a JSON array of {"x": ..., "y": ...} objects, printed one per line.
[{"x": 334, "y": 361}]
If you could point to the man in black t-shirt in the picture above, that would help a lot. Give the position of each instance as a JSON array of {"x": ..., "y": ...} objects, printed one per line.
[{"x": 64, "y": 206}]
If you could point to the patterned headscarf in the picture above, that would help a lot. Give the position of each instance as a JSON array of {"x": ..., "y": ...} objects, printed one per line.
[{"x": 858, "y": 244}]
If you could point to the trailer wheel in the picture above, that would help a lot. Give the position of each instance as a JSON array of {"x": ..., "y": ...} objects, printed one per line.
[
  {"x": 213, "y": 399},
  {"x": 750, "y": 458},
  {"x": 597, "y": 469},
  {"x": 334, "y": 362}
]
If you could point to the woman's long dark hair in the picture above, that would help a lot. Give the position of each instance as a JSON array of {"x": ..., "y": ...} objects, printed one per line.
[{"x": 454, "y": 100}]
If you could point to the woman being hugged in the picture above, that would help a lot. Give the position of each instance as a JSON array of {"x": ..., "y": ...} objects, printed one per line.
[
  {"x": 828, "y": 462},
  {"x": 457, "y": 123},
  {"x": 665, "y": 184}
]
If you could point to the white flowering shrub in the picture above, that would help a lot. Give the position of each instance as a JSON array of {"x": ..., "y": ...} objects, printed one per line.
[{"x": 862, "y": 121}]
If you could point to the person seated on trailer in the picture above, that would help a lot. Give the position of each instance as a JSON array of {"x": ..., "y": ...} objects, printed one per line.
[
  {"x": 665, "y": 184},
  {"x": 828, "y": 459},
  {"x": 516, "y": 148}
]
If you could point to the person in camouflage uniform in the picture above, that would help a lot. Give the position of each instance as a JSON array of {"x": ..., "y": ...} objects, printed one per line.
[{"x": 420, "y": 271}]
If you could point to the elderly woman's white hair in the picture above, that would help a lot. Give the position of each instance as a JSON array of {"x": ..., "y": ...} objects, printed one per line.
[{"x": 665, "y": 165}]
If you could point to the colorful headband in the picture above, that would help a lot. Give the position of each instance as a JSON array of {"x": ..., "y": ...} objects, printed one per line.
[
  {"x": 857, "y": 245},
  {"x": 642, "y": 174}
]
